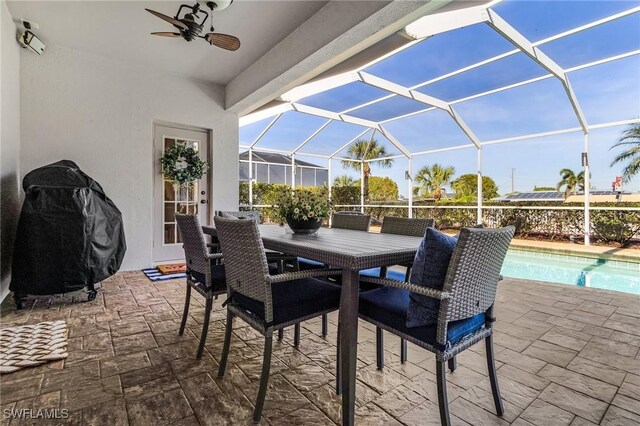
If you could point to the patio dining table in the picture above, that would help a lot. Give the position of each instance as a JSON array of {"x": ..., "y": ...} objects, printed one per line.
[{"x": 352, "y": 251}]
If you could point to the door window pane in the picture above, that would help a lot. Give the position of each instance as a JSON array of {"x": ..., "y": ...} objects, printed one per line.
[
  {"x": 169, "y": 234},
  {"x": 169, "y": 212}
]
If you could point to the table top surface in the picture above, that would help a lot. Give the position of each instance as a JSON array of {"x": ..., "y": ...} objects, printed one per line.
[{"x": 342, "y": 248}]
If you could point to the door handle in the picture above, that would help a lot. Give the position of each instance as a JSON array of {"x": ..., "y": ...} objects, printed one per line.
[{"x": 203, "y": 201}]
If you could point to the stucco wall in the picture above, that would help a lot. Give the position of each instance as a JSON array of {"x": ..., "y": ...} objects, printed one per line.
[
  {"x": 9, "y": 145},
  {"x": 100, "y": 114}
]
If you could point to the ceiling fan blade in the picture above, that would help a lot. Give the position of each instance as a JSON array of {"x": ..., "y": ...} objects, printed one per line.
[
  {"x": 166, "y": 34},
  {"x": 169, "y": 19},
  {"x": 224, "y": 41}
]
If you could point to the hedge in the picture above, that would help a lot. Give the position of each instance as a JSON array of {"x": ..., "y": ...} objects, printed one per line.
[{"x": 607, "y": 226}]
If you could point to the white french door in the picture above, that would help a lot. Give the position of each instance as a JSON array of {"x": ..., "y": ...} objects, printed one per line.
[{"x": 170, "y": 199}]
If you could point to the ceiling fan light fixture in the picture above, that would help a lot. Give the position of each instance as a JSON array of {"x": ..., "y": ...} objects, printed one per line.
[{"x": 219, "y": 4}]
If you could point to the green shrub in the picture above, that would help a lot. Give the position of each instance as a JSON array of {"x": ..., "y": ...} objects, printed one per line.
[{"x": 615, "y": 225}]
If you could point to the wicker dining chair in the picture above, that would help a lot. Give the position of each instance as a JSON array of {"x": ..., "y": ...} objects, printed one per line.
[
  {"x": 356, "y": 222},
  {"x": 267, "y": 302},
  {"x": 204, "y": 273},
  {"x": 214, "y": 245},
  {"x": 412, "y": 227},
  {"x": 466, "y": 306}
]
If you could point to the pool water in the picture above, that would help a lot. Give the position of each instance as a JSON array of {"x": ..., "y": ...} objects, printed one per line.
[{"x": 580, "y": 271}]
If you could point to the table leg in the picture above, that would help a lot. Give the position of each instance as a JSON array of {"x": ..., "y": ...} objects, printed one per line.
[{"x": 349, "y": 343}]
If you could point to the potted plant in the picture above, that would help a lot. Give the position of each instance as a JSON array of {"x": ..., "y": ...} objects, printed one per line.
[{"x": 302, "y": 209}]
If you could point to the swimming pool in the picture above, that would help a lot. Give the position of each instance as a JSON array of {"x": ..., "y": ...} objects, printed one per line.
[{"x": 574, "y": 270}]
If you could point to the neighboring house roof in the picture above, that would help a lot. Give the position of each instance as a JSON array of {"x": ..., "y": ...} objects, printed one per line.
[
  {"x": 546, "y": 196},
  {"x": 540, "y": 196},
  {"x": 274, "y": 158},
  {"x": 605, "y": 197}
]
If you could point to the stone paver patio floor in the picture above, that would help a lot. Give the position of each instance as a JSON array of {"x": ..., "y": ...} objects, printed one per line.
[{"x": 565, "y": 355}]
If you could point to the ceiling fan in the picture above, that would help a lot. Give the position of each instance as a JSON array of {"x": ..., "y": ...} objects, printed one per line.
[{"x": 190, "y": 28}]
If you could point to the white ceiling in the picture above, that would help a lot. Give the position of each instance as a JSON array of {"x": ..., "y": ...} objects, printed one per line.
[{"x": 120, "y": 30}]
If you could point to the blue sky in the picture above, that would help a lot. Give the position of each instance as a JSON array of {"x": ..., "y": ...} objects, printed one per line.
[{"x": 607, "y": 92}]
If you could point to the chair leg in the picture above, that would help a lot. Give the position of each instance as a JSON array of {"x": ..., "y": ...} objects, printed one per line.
[
  {"x": 185, "y": 312},
  {"x": 453, "y": 364},
  {"x": 280, "y": 334},
  {"x": 264, "y": 378},
  {"x": 403, "y": 351},
  {"x": 443, "y": 401},
  {"x": 296, "y": 335},
  {"x": 379, "y": 348},
  {"x": 227, "y": 343},
  {"x": 325, "y": 325},
  {"x": 205, "y": 327},
  {"x": 338, "y": 365},
  {"x": 493, "y": 377}
]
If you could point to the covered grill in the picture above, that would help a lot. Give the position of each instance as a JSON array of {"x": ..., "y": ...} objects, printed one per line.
[{"x": 70, "y": 234}]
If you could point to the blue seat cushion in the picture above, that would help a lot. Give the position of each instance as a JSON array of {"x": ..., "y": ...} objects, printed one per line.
[
  {"x": 218, "y": 276},
  {"x": 307, "y": 264},
  {"x": 388, "y": 305},
  {"x": 294, "y": 299},
  {"x": 429, "y": 270},
  {"x": 375, "y": 272}
]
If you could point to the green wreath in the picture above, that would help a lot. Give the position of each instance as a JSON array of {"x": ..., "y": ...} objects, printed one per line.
[{"x": 182, "y": 165}]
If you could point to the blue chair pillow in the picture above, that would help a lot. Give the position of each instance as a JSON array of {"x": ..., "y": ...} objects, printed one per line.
[{"x": 429, "y": 270}]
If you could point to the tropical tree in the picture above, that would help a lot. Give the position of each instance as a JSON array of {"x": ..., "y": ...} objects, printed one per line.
[
  {"x": 431, "y": 179},
  {"x": 630, "y": 138},
  {"x": 344, "y": 180},
  {"x": 467, "y": 186},
  {"x": 571, "y": 181},
  {"x": 362, "y": 150},
  {"x": 383, "y": 189}
]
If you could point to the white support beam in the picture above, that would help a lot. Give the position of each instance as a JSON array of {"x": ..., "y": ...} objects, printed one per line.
[
  {"x": 361, "y": 186},
  {"x": 479, "y": 201},
  {"x": 313, "y": 135},
  {"x": 587, "y": 191},
  {"x": 506, "y": 55},
  {"x": 264, "y": 132},
  {"x": 521, "y": 42},
  {"x": 264, "y": 113},
  {"x": 410, "y": 114},
  {"x": 589, "y": 25},
  {"x": 395, "y": 142},
  {"x": 251, "y": 178},
  {"x": 422, "y": 98},
  {"x": 349, "y": 143},
  {"x": 388, "y": 157},
  {"x": 451, "y": 148},
  {"x": 464, "y": 127},
  {"x": 438, "y": 23},
  {"x": 330, "y": 178},
  {"x": 335, "y": 116},
  {"x": 293, "y": 171},
  {"x": 410, "y": 184}
]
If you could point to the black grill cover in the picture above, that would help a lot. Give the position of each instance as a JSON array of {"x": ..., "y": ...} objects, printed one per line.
[{"x": 70, "y": 234}]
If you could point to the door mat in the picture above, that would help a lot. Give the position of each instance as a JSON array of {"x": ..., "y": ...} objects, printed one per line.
[
  {"x": 154, "y": 274},
  {"x": 31, "y": 345},
  {"x": 172, "y": 268}
]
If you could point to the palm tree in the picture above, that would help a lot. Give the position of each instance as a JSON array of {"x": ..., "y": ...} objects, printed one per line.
[
  {"x": 431, "y": 179},
  {"x": 630, "y": 137},
  {"x": 344, "y": 180},
  {"x": 363, "y": 149},
  {"x": 571, "y": 182}
]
